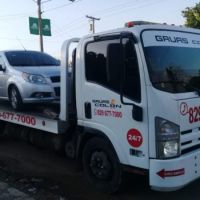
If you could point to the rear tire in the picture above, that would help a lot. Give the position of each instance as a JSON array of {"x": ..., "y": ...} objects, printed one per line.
[
  {"x": 70, "y": 150},
  {"x": 101, "y": 165},
  {"x": 15, "y": 98},
  {"x": 2, "y": 126}
]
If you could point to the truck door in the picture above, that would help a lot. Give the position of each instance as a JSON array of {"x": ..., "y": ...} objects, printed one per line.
[{"x": 101, "y": 102}]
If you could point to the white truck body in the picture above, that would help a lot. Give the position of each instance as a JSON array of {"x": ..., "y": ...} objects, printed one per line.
[{"x": 107, "y": 111}]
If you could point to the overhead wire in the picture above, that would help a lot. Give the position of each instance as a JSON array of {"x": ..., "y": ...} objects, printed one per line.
[
  {"x": 11, "y": 17},
  {"x": 98, "y": 11},
  {"x": 131, "y": 8},
  {"x": 27, "y": 40},
  {"x": 107, "y": 10},
  {"x": 16, "y": 14},
  {"x": 25, "y": 14},
  {"x": 116, "y": 9},
  {"x": 22, "y": 15},
  {"x": 59, "y": 7},
  {"x": 82, "y": 24},
  {"x": 73, "y": 22}
]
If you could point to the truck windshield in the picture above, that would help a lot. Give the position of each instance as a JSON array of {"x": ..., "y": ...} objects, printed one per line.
[
  {"x": 174, "y": 61},
  {"x": 30, "y": 58}
]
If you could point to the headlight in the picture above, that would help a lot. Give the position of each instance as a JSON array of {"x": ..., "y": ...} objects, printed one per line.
[
  {"x": 167, "y": 139},
  {"x": 32, "y": 78}
]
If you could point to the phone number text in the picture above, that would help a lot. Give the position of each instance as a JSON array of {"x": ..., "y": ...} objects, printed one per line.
[{"x": 24, "y": 119}]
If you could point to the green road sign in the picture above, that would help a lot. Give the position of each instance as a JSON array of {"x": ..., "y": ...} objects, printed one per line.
[
  {"x": 46, "y": 27},
  {"x": 34, "y": 26}
]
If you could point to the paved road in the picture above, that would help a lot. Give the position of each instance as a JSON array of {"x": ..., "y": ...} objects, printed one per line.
[
  {"x": 8, "y": 192},
  {"x": 45, "y": 175}
]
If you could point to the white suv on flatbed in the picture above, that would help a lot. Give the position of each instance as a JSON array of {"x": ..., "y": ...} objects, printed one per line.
[{"x": 28, "y": 77}]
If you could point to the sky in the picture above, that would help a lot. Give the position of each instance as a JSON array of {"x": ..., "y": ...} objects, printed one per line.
[{"x": 69, "y": 19}]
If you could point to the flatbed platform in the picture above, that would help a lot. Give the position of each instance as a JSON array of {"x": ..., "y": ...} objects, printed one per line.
[{"x": 43, "y": 117}]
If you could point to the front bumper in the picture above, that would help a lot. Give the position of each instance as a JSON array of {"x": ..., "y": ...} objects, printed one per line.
[
  {"x": 40, "y": 100},
  {"x": 28, "y": 92},
  {"x": 173, "y": 174}
]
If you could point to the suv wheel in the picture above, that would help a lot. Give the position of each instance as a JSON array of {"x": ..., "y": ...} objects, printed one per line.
[{"x": 15, "y": 98}]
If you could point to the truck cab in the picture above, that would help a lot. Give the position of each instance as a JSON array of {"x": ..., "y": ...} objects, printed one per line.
[{"x": 138, "y": 88}]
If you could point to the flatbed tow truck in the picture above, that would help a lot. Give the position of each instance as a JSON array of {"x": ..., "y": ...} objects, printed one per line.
[{"x": 132, "y": 103}]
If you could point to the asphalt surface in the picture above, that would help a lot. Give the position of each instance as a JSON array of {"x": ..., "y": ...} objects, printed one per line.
[
  {"x": 29, "y": 172},
  {"x": 10, "y": 193}
]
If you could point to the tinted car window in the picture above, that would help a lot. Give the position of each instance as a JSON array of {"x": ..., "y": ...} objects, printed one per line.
[
  {"x": 103, "y": 66},
  {"x": 30, "y": 58},
  {"x": 174, "y": 69}
]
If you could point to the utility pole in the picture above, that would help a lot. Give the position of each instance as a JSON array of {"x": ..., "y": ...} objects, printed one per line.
[
  {"x": 40, "y": 25},
  {"x": 39, "y": 2},
  {"x": 93, "y": 22}
]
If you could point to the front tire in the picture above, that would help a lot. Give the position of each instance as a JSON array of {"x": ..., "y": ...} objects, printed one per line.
[
  {"x": 15, "y": 98},
  {"x": 101, "y": 165}
]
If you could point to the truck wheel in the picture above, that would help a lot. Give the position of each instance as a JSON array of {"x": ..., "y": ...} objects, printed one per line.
[
  {"x": 101, "y": 165},
  {"x": 15, "y": 98},
  {"x": 57, "y": 142},
  {"x": 24, "y": 134},
  {"x": 70, "y": 151},
  {"x": 2, "y": 126}
]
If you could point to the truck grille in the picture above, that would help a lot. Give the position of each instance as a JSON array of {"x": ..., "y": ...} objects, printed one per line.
[
  {"x": 55, "y": 79},
  {"x": 190, "y": 140},
  {"x": 57, "y": 91}
]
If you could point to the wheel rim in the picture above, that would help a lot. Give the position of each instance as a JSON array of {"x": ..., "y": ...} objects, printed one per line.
[
  {"x": 13, "y": 98},
  {"x": 100, "y": 165}
]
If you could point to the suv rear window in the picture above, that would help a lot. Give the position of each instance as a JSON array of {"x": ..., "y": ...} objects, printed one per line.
[{"x": 30, "y": 58}]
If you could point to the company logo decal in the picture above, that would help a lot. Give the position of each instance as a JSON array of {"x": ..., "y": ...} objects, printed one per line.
[
  {"x": 177, "y": 40},
  {"x": 106, "y": 104},
  {"x": 134, "y": 138},
  {"x": 193, "y": 113},
  {"x": 107, "y": 108},
  {"x": 164, "y": 38}
]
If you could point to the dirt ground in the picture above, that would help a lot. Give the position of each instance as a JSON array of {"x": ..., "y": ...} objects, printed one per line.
[{"x": 46, "y": 175}]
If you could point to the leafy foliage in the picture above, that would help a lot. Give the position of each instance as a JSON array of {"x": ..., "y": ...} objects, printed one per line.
[{"x": 192, "y": 16}]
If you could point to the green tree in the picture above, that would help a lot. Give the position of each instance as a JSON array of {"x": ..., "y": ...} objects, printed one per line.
[{"x": 192, "y": 16}]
